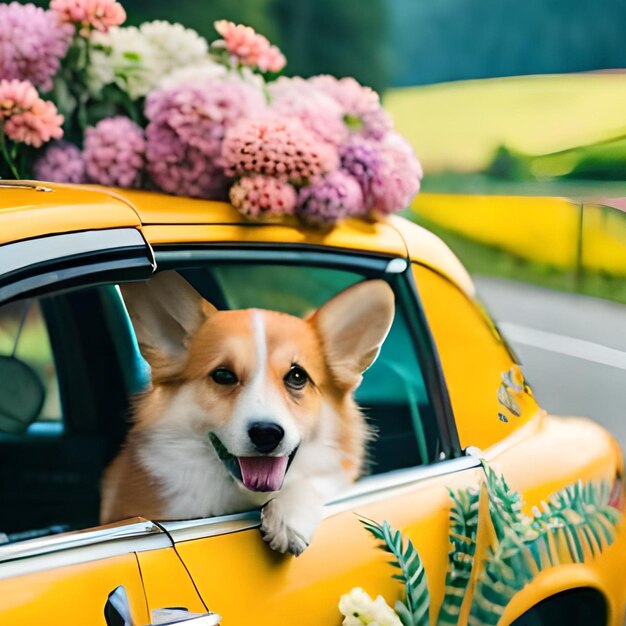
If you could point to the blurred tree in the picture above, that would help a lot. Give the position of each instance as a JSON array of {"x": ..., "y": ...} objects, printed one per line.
[
  {"x": 339, "y": 37},
  {"x": 200, "y": 14},
  {"x": 440, "y": 40}
]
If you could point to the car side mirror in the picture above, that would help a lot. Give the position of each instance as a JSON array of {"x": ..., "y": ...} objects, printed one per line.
[{"x": 22, "y": 395}]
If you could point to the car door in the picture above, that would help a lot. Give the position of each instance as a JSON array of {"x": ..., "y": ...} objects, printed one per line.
[
  {"x": 49, "y": 467},
  {"x": 415, "y": 461},
  {"x": 67, "y": 579}
]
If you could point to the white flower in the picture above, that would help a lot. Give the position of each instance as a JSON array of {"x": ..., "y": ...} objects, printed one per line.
[
  {"x": 125, "y": 57},
  {"x": 194, "y": 74},
  {"x": 174, "y": 45},
  {"x": 359, "y": 609},
  {"x": 136, "y": 59}
]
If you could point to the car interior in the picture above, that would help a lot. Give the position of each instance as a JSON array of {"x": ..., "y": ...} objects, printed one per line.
[{"x": 54, "y": 449}]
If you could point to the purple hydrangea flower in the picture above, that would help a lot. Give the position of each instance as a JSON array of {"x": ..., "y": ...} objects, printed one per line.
[
  {"x": 62, "y": 162},
  {"x": 187, "y": 124},
  {"x": 114, "y": 152},
  {"x": 329, "y": 199},
  {"x": 32, "y": 43},
  {"x": 388, "y": 172},
  {"x": 362, "y": 158},
  {"x": 180, "y": 169}
]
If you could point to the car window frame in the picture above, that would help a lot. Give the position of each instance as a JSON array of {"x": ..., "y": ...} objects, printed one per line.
[{"x": 39, "y": 265}]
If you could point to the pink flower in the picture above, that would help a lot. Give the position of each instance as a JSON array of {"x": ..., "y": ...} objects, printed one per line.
[
  {"x": 114, "y": 152},
  {"x": 32, "y": 42},
  {"x": 248, "y": 47},
  {"x": 61, "y": 163},
  {"x": 276, "y": 146},
  {"x": 16, "y": 96},
  {"x": 317, "y": 111},
  {"x": 399, "y": 177},
  {"x": 90, "y": 15},
  {"x": 260, "y": 196},
  {"x": 329, "y": 199},
  {"x": 27, "y": 118},
  {"x": 363, "y": 111}
]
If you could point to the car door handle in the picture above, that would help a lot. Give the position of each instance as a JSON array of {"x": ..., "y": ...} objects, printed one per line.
[
  {"x": 167, "y": 617},
  {"x": 117, "y": 613}
]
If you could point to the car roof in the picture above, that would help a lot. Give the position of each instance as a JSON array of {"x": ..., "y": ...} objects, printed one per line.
[{"x": 31, "y": 209}]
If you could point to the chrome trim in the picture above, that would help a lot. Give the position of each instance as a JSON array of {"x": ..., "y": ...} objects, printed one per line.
[
  {"x": 5, "y": 184},
  {"x": 15, "y": 256},
  {"x": 188, "y": 530},
  {"x": 396, "y": 266},
  {"x": 367, "y": 489},
  {"x": 115, "y": 533},
  {"x": 85, "y": 554},
  {"x": 372, "y": 487}
]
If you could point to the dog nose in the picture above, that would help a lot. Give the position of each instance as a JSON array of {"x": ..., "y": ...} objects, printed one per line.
[{"x": 265, "y": 436}]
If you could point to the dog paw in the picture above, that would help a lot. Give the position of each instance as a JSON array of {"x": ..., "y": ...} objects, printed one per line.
[{"x": 282, "y": 533}]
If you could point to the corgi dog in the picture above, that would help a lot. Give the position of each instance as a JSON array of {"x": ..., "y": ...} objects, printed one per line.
[{"x": 246, "y": 408}]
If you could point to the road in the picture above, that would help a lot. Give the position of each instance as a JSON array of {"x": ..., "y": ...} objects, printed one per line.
[{"x": 572, "y": 348}]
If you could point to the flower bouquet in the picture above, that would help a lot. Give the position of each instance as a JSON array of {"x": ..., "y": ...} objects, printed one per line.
[{"x": 84, "y": 99}]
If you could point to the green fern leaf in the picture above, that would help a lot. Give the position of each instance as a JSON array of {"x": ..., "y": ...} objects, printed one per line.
[
  {"x": 414, "y": 611},
  {"x": 578, "y": 518},
  {"x": 463, "y": 528}
]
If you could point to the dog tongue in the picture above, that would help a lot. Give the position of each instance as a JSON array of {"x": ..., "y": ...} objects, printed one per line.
[{"x": 263, "y": 473}]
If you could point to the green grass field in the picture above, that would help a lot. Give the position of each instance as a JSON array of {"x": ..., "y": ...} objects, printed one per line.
[{"x": 459, "y": 126}]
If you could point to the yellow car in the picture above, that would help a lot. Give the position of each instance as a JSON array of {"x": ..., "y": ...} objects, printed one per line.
[{"x": 445, "y": 395}]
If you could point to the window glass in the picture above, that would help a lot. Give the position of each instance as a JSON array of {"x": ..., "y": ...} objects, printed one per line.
[
  {"x": 24, "y": 335},
  {"x": 393, "y": 394}
]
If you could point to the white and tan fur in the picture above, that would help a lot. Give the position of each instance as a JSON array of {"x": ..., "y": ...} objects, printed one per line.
[{"x": 168, "y": 468}]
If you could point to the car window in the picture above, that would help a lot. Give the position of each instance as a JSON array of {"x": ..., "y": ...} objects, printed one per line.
[
  {"x": 393, "y": 394},
  {"x": 24, "y": 335},
  {"x": 50, "y": 479}
]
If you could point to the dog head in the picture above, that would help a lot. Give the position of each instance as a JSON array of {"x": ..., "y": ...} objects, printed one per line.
[{"x": 255, "y": 383}]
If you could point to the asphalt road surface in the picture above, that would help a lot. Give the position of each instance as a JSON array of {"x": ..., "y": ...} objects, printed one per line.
[{"x": 572, "y": 348}]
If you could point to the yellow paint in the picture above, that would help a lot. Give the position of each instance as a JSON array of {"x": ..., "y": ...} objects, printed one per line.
[
  {"x": 26, "y": 213},
  {"x": 473, "y": 360},
  {"x": 166, "y": 581},
  {"x": 74, "y": 595}
]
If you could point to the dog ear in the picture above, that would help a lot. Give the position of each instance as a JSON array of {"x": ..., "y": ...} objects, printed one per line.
[
  {"x": 165, "y": 311},
  {"x": 353, "y": 326}
]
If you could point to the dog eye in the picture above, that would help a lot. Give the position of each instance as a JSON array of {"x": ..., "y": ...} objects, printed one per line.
[
  {"x": 296, "y": 377},
  {"x": 222, "y": 376}
]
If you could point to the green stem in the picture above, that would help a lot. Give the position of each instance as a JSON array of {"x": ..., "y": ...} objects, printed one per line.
[{"x": 7, "y": 156}]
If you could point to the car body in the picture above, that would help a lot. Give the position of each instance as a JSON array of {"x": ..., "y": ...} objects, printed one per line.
[{"x": 67, "y": 246}]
